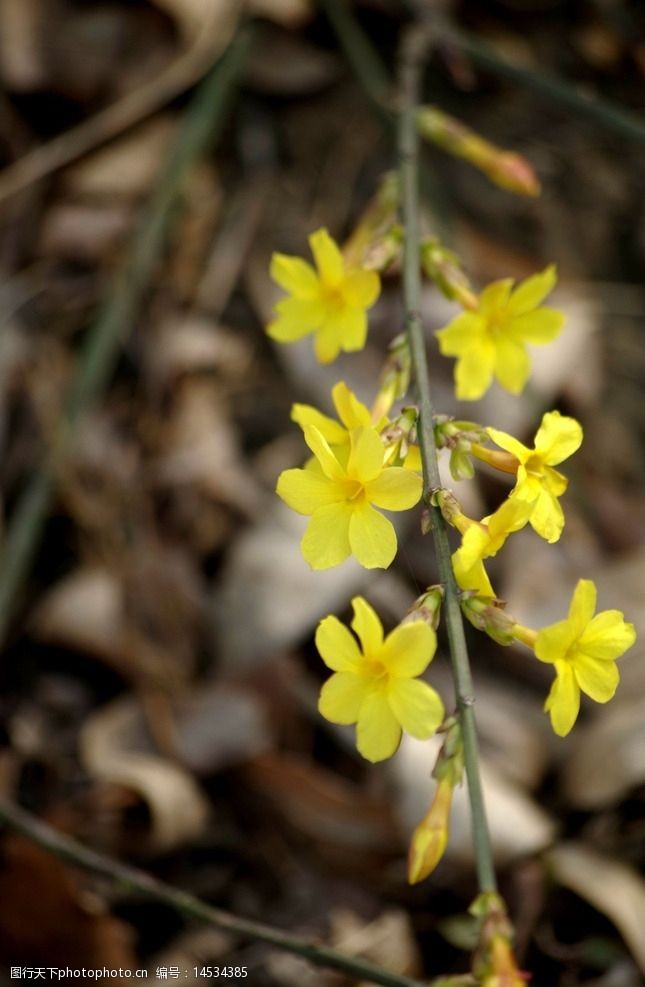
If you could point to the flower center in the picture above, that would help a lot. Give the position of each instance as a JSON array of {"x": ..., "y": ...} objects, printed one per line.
[
  {"x": 534, "y": 465},
  {"x": 375, "y": 669},
  {"x": 332, "y": 296},
  {"x": 354, "y": 490}
]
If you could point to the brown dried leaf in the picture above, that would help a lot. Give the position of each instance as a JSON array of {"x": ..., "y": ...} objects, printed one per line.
[{"x": 609, "y": 885}]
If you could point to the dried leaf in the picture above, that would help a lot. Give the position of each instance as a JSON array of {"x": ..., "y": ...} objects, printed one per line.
[{"x": 607, "y": 884}]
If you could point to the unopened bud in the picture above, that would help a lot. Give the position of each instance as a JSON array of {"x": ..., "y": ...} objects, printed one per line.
[
  {"x": 505, "y": 168},
  {"x": 487, "y": 614},
  {"x": 444, "y": 268},
  {"x": 374, "y": 241},
  {"x": 430, "y": 838},
  {"x": 427, "y": 607}
]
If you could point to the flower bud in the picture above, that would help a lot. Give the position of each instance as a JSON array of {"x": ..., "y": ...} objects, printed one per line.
[
  {"x": 487, "y": 614},
  {"x": 427, "y": 607},
  {"x": 430, "y": 838}
]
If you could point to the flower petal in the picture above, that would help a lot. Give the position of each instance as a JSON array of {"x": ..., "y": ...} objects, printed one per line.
[
  {"x": 351, "y": 327},
  {"x": 326, "y": 541},
  {"x": 366, "y": 454},
  {"x": 510, "y": 516},
  {"x": 295, "y": 318},
  {"x": 361, "y": 288},
  {"x": 563, "y": 701},
  {"x": 416, "y": 706},
  {"x": 583, "y": 604},
  {"x": 367, "y": 625},
  {"x": 547, "y": 517},
  {"x": 396, "y": 489},
  {"x": 352, "y": 412},
  {"x": 306, "y": 414},
  {"x": 409, "y": 649},
  {"x": 294, "y": 275},
  {"x": 378, "y": 733},
  {"x": 557, "y": 438},
  {"x": 541, "y": 326},
  {"x": 553, "y": 642},
  {"x": 607, "y": 636},
  {"x": 305, "y": 491},
  {"x": 495, "y": 297},
  {"x": 474, "y": 371},
  {"x": 337, "y": 645},
  {"x": 475, "y": 577},
  {"x": 512, "y": 364},
  {"x": 328, "y": 257},
  {"x": 342, "y": 696},
  {"x": 322, "y": 451},
  {"x": 532, "y": 291},
  {"x": 509, "y": 443},
  {"x": 372, "y": 537},
  {"x": 327, "y": 344},
  {"x": 464, "y": 330},
  {"x": 599, "y": 679}
]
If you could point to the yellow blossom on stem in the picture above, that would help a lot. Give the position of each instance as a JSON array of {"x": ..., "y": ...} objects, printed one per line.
[
  {"x": 483, "y": 539},
  {"x": 330, "y": 301},
  {"x": 583, "y": 649},
  {"x": 338, "y": 495},
  {"x": 376, "y": 685},
  {"x": 430, "y": 838},
  {"x": 557, "y": 438},
  {"x": 491, "y": 341}
]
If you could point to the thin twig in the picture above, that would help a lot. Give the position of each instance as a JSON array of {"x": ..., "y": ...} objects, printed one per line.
[
  {"x": 203, "y": 122},
  {"x": 131, "y": 109},
  {"x": 413, "y": 50},
  {"x": 134, "y": 880}
]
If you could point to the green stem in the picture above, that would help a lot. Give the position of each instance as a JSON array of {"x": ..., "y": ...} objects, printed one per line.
[
  {"x": 413, "y": 50},
  {"x": 144, "y": 884},
  {"x": 203, "y": 122}
]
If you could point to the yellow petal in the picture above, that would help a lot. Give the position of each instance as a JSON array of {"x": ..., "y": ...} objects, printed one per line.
[
  {"x": 554, "y": 482},
  {"x": 547, "y": 517},
  {"x": 583, "y": 605},
  {"x": 361, "y": 288},
  {"x": 366, "y": 455},
  {"x": 464, "y": 330},
  {"x": 294, "y": 275},
  {"x": 326, "y": 541},
  {"x": 351, "y": 329},
  {"x": 474, "y": 546},
  {"x": 341, "y": 698},
  {"x": 512, "y": 364},
  {"x": 509, "y": 517},
  {"x": 557, "y": 438},
  {"x": 367, "y": 625},
  {"x": 372, "y": 538},
  {"x": 416, "y": 706},
  {"x": 474, "y": 371},
  {"x": 495, "y": 297},
  {"x": 396, "y": 489},
  {"x": 327, "y": 342},
  {"x": 541, "y": 326},
  {"x": 300, "y": 315},
  {"x": 328, "y": 257},
  {"x": 304, "y": 490},
  {"x": 474, "y": 578},
  {"x": 306, "y": 414},
  {"x": 413, "y": 459},
  {"x": 598, "y": 679},
  {"x": 510, "y": 444},
  {"x": 607, "y": 636},
  {"x": 409, "y": 649},
  {"x": 563, "y": 701},
  {"x": 378, "y": 733},
  {"x": 532, "y": 291},
  {"x": 553, "y": 642},
  {"x": 337, "y": 645},
  {"x": 352, "y": 413},
  {"x": 321, "y": 450}
]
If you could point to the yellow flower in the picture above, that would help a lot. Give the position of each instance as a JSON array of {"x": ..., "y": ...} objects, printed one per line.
[
  {"x": 556, "y": 439},
  {"x": 430, "y": 838},
  {"x": 583, "y": 649},
  {"x": 339, "y": 493},
  {"x": 376, "y": 685},
  {"x": 482, "y": 539},
  {"x": 491, "y": 341},
  {"x": 331, "y": 301}
]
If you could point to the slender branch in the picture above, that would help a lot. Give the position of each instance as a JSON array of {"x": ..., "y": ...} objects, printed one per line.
[
  {"x": 132, "y": 879},
  {"x": 204, "y": 118},
  {"x": 413, "y": 50}
]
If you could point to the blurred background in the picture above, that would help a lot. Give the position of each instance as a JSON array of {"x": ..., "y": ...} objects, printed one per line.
[{"x": 158, "y": 678}]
